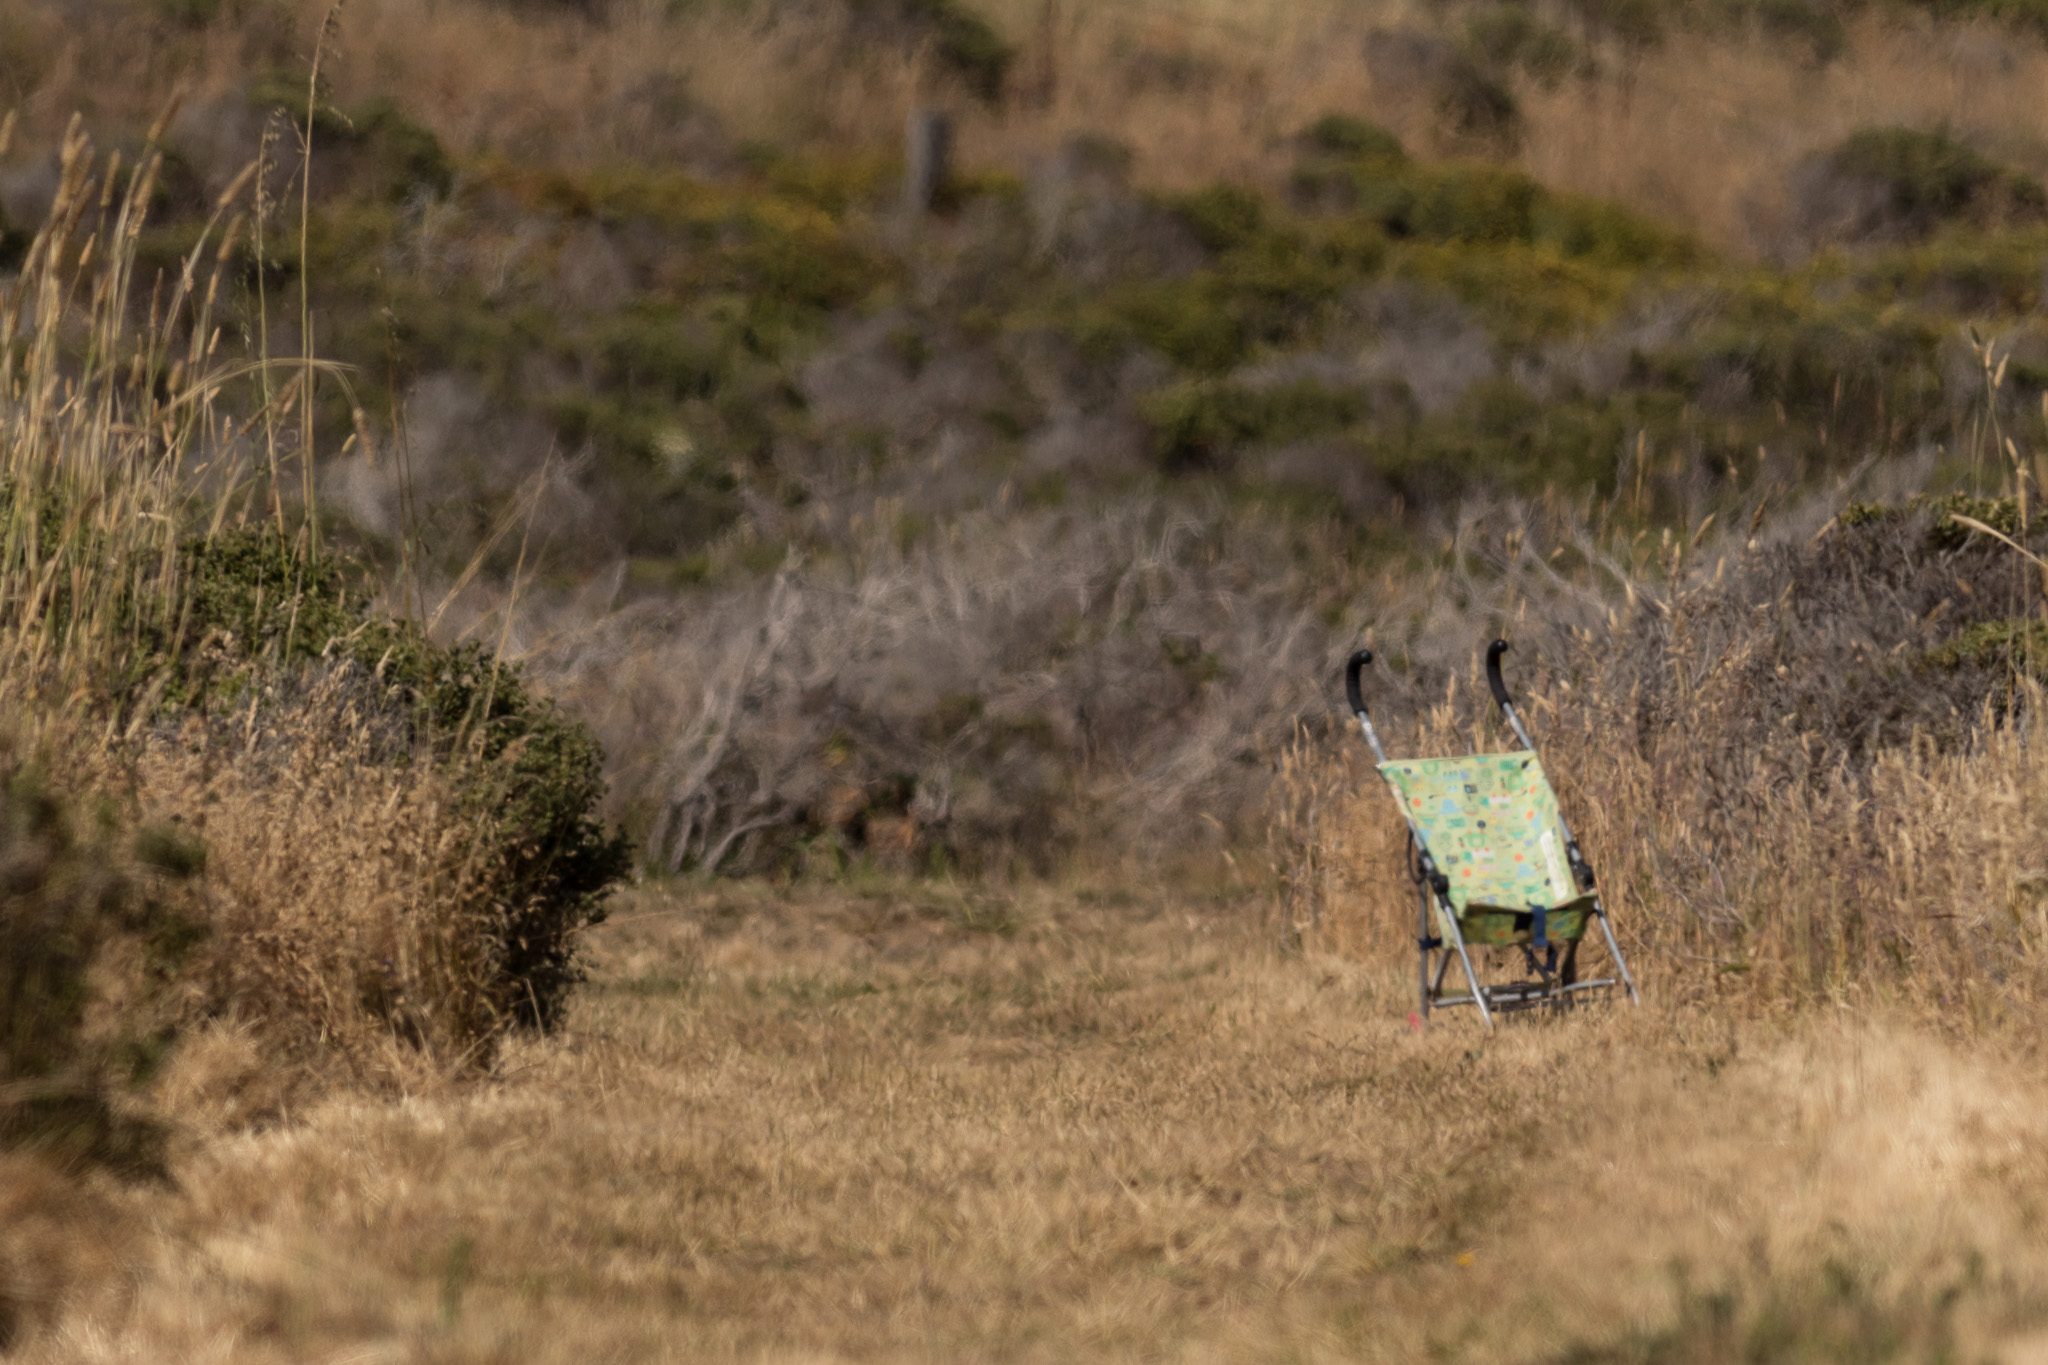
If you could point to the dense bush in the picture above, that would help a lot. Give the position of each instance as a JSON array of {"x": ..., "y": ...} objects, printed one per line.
[
  {"x": 374, "y": 150},
  {"x": 528, "y": 777},
  {"x": 73, "y": 881},
  {"x": 962, "y": 41},
  {"x": 1201, "y": 424},
  {"x": 1889, "y": 183}
]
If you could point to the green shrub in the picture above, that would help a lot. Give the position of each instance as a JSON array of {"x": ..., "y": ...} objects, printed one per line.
[
  {"x": 966, "y": 44},
  {"x": 1223, "y": 217},
  {"x": 962, "y": 41},
  {"x": 1481, "y": 205},
  {"x": 1475, "y": 103},
  {"x": 70, "y": 885},
  {"x": 1200, "y": 424},
  {"x": 1961, "y": 269},
  {"x": 1602, "y": 231},
  {"x": 2019, "y": 646},
  {"x": 529, "y": 777},
  {"x": 1928, "y": 178},
  {"x": 1472, "y": 204},
  {"x": 1348, "y": 136},
  {"x": 1946, "y": 533},
  {"x": 382, "y": 153},
  {"x": 1274, "y": 281}
]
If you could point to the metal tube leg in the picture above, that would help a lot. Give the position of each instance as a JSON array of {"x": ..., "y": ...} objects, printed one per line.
[
  {"x": 1422, "y": 943},
  {"x": 1471, "y": 977},
  {"x": 1629, "y": 982}
]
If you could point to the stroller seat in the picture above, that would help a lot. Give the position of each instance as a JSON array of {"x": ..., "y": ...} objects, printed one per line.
[
  {"x": 1494, "y": 866},
  {"x": 1491, "y": 821}
]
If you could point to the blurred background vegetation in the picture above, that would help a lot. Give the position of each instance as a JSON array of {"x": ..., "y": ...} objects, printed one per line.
[{"x": 951, "y": 537}]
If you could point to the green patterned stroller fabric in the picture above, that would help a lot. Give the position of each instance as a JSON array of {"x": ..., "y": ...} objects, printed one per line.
[{"x": 1490, "y": 821}]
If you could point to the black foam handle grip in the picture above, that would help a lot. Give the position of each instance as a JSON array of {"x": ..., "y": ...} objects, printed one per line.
[
  {"x": 1352, "y": 691},
  {"x": 1493, "y": 677}
]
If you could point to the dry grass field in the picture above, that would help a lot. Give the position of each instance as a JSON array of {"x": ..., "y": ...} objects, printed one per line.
[{"x": 923, "y": 1122}]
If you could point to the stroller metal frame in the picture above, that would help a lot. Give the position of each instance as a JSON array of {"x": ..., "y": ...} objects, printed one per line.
[{"x": 1555, "y": 985}]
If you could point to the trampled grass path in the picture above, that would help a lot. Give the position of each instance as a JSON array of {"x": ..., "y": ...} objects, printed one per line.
[{"x": 928, "y": 1124}]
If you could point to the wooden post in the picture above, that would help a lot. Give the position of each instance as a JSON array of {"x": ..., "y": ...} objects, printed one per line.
[{"x": 927, "y": 154}]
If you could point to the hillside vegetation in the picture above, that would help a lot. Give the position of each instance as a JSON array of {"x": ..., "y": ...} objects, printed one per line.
[{"x": 1058, "y": 502}]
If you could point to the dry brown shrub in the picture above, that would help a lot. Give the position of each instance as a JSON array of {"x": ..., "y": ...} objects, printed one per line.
[
  {"x": 347, "y": 900},
  {"x": 1028, "y": 683}
]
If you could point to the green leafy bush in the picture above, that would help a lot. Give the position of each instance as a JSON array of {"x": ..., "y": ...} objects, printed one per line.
[
  {"x": 2019, "y": 645},
  {"x": 1920, "y": 179},
  {"x": 69, "y": 883},
  {"x": 1946, "y": 533},
  {"x": 1349, "y": 136},
  {"x": 375, "y": 148},
  {"x": 529, "y": 777},
  {"x": 962, "y": 41},
  {"x": 1199, "y": 424},
  {"x": 1475, "y": 204}
]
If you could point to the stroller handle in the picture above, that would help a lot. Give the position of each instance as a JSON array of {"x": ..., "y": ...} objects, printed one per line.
[
  {"x": 1493, "y": 677},
  {"x": 1352, "y": 691}
]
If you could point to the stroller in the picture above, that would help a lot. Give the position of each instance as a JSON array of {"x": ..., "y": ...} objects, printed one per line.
[{"x": 1486, "y": 839}]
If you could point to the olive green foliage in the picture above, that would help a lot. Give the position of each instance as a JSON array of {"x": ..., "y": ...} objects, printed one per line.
[
  {"x": 1347, "y": 135},
  {"x": 529, "y": 777},
  {"x": 1928, "y": 178},
  {"x": 1273, "y": 280},
  {"x": 962, "y": 42},
  {"x": 679, "y": 389},
  {"x": 1473, "y": 203},
  {"x": 71, "y": 881},
  {"x": 1200, "y": 423},
  {"x": 729, "y": 284},
  {"x": 1986, "y": 274},
  {"x": 2020, "y": 646},
  {"x": 379, "y": 152},
  {"x": 2000, "y": 514}
]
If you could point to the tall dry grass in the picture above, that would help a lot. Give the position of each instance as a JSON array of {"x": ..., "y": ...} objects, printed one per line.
[
  {"x": 195, "y": 836},
  {"x": 1788, "y": 790}
]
